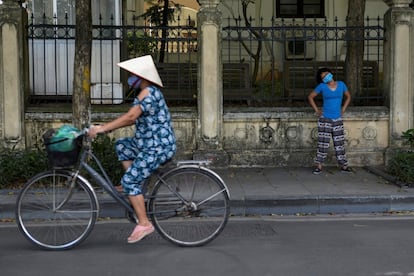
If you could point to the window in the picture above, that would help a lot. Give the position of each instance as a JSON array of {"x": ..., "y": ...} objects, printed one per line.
[
  {"x": 105, "y": 12},
  {"x": 52, "y": 11},
  {"x": 300, "y": 8},
  {"x": 56, "y": 11}
]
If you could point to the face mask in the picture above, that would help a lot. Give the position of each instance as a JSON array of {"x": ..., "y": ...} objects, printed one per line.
[
  {"x": 327, "y": 78},
  {"x": 134, "y": 81}
]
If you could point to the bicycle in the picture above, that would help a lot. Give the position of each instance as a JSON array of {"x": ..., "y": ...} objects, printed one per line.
[{"x": 57, "y": 209}]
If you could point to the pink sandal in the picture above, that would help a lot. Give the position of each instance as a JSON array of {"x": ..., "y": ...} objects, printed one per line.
[{"x": 140, "y": 232}]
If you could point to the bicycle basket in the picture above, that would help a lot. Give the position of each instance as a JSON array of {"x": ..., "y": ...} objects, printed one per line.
[{"x": 62, "y": 151}]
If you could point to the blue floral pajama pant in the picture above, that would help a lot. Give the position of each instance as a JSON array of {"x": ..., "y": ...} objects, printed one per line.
[
  {"x": 327, "y": 129},
  {"x": 143, "y": 164}
]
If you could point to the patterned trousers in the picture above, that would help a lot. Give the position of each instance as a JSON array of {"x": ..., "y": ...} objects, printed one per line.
[
  {"x": 143, "y": 163},
  {"x": 327, "y": 129}
]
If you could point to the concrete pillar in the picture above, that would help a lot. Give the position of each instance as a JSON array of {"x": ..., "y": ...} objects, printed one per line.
[
  {"x": 210, "y": 84},
  {"x": 398, "y": 69},
  {"x": 12, "y": 74}
]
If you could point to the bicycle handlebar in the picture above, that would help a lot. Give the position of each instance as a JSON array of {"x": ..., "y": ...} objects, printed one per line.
[{"x": 85, "y": 131}]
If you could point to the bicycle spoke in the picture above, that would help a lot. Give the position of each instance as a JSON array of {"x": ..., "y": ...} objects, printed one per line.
[
  {"x": 210, "y": 197},
  {"x": 54, "y": 212},
  {"x": 196, "y": 199}
]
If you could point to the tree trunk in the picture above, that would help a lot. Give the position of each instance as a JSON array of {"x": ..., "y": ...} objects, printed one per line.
[
  {"x": 355, "y": 46},
  {"x": 255, "y": 56},
  {"x": 164, "y": 34},
  {"x": 81, "y": 106}
]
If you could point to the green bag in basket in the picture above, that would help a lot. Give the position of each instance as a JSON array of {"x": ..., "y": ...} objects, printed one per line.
[{"x": 62, "y": 139}]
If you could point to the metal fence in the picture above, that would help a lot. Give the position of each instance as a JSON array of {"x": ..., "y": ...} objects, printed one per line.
[
  {"x": 283, "y": 56},
  {"x": 52, "y": 51},
  {"x": 271, "y": 64}
]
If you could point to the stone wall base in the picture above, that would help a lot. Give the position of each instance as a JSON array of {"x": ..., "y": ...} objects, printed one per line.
[{"x": 274, "y": 138}]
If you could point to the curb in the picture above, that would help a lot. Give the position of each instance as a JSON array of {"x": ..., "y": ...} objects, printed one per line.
[
  {"x": 324, "y": 205},
  {"x": 280, "y": 206},
  {"x": 254, "y": 205},
  {"x": 300, "y": 205}
]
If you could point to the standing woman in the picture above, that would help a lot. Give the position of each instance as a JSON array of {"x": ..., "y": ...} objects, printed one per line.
[
  {"x": 153, "y": 142},
  {"x": 330, "y": 124}
]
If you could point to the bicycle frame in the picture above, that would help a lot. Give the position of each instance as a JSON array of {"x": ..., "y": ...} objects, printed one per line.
[
  {"x": 58, "y": 208},
  {"x": 102, "y": 179},
  {"x": 175, "y": 194}
]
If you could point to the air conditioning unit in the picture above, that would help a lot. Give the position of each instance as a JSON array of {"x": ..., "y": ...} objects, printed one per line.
[
  {"x": 299, "y": 48},
  {"x": 106, "y": 93}
]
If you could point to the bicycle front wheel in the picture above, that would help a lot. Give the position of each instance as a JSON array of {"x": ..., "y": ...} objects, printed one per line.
[
  {"x": 189, "y": 206},
  {"x": 56, "y": 210}
]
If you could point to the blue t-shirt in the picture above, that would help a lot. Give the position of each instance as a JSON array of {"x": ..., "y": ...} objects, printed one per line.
[{"x": 332, "y": 99}]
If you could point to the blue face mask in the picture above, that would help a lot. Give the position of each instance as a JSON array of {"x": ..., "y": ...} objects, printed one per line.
[
  {"x": 134, "y": 81},
  {"x": 328, "y": 78}
]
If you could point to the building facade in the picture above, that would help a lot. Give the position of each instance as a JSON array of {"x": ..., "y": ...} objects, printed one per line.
[{"x": 271, "y": 135}]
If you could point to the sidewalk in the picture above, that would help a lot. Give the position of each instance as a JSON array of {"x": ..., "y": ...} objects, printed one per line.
[{"x": 288, "y": 191}]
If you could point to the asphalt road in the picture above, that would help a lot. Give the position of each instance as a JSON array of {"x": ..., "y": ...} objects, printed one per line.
[{"x": 320, "y": 246}]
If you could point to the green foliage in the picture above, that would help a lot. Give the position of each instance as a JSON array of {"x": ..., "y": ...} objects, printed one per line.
[
  {"x": 402, "y": 164},
  {"x": 140, "y": 43},
  {"x": 156, "y": 13},
  {"x": 17, "y": 166},
  {"x": 104, "y": 149},
  {"x": 267, "y": 88},
  {"x": 409, "y": 137}
]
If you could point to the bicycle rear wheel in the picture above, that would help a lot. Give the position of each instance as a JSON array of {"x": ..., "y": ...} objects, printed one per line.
[
  {"x": 56, "y": 211},
  {"x": 189, "y": 206}
]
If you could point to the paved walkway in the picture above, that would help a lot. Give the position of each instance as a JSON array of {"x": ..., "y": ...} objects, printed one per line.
[
  {"x": 289, "y": 191},
  {"x": 286, "y": 191}
]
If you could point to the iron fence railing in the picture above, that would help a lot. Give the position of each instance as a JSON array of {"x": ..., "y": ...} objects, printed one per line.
[
  {"x": 284, "y": 55},
  {"x": 267, "y": 64},
  {"x": 52, "y": 48}
]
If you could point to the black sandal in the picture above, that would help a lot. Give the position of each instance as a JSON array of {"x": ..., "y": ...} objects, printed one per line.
[{"x": 317, "y": 171}]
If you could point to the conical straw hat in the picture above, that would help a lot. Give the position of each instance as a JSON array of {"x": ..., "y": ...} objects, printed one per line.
[{"x": 143, "y": 67}]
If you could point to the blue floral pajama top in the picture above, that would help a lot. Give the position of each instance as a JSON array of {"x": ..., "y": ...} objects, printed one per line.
[{"x": 152, "y": 145}]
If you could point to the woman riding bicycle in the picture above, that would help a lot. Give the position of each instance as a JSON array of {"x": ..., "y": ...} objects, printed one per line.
[{"x": 154, "y": 140}]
